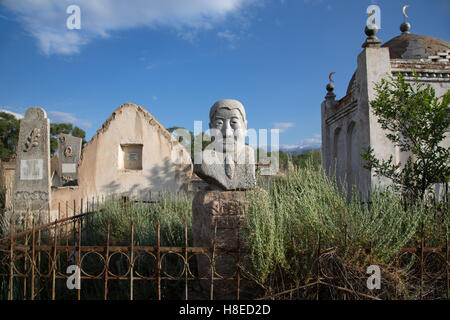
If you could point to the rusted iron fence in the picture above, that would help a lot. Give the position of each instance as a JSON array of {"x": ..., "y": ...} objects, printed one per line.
[{"x": 33, "y": 265}]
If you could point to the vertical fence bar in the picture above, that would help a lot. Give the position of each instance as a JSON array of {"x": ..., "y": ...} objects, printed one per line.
[
  {"x": 131, "y": 260},
  {"x": 54, "y": 263},
  {"x": 158, "y": 257},
  {"x": 447, "y": 258},
  {"x": 11, "y": 257},
  {"x": 212, "y": 266},
  {"x": 74, "y": 211},
  {"x": 186, "y": 266},
  {"x": 318, "y": 269},
  {"x": 106, "y": 262},
  {"x": 32, "y": 264},
  {"x": 238, "y": 270},
  {"x": 421, "y": 262},
  {"x": 25, "y": 260},
  {"x": 79, "y": 257},
  {"x": 65, "y": 214},
  {"x": 39, "y": 257}
]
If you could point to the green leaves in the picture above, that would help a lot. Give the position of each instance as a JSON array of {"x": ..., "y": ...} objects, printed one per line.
[
  {"x": 415, "y": 120},
  {"x": 9, "y": 135}
]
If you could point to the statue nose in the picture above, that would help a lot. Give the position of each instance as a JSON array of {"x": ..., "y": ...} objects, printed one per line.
[{"x": 226, "y": 130}]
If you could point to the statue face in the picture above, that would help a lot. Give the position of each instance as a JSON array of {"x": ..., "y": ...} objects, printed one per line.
[{"x": 232, "y": 128}]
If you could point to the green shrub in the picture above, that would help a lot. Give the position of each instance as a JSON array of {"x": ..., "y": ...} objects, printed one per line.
[{"x": 304, "y": 206}]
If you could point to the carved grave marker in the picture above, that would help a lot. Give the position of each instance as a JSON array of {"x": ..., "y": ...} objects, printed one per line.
[
  {"x": 69, "y": 151},
  {"x": 32, "y": 175}
]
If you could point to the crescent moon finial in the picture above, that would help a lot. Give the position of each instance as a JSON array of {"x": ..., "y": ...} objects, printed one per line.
[
  {"x": 329, "y": 76},
  {"x": 404, "y": 10}
]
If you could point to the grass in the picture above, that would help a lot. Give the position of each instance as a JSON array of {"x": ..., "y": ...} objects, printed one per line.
[
  {"x": 172, "y": 211},
  {"x": 304, "y": 206}
]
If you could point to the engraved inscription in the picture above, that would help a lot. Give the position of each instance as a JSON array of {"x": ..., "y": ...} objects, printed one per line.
[
  {"x": 31, "y": 169},
  {"x": 132, "y": 156},
  {"x": 69, "y": 168}
]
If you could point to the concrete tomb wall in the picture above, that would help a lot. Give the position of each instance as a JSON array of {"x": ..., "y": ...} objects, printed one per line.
[{"x": 131, "y": 155}]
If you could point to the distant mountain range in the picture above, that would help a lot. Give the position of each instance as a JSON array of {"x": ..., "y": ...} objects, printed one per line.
[{"x": 296, "y": 150}]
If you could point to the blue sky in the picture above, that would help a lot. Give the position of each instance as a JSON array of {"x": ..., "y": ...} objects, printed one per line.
[{"x": 177, "y": 57}]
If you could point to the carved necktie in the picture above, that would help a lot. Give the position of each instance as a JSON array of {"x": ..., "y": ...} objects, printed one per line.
[{"x": 229, "y": 166}]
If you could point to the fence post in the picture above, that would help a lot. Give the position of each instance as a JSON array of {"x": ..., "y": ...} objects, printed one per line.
[
  {"x": 186, "y": 265},
  {"x": 11, "y": 258},
  {"x": 131, "y": 260},
  {"x": 158, "y": 257},
  {"x": 447, "y": 258},
  {"x": 421, "y": 262},
  {"x": 54, "y": 262},
  {"x": 238, "y": 270},
  {"x": 213, "y": 262},
  {"x": 107, "y": 262},
  {"x": 25, "y": 256},
  {"x": 318, "y": 269},
  {"x": 79, "y": 256},
  {"x": 39, "y": 256},
  {"x": 32, "y": 265}
]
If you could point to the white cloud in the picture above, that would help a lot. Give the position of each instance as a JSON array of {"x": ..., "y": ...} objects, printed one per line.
[
  {"x": 283, "y": 126},
  {"x": 46, "y": 19},
  {"x": 58, "y": 116},
  {"x": 227, "y": 35}
]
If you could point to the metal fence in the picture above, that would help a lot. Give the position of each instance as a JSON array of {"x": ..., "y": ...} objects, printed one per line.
[{"x": 33, "y": 265}]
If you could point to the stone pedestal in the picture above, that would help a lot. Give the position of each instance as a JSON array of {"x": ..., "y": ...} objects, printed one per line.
[
  {"x": 224, "y": 208},
  {"x": 218, "y": 219}
]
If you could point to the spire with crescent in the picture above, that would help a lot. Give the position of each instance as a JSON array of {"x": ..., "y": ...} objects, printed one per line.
[
  {"x": 405, "y": 26},
  {"x": 330, "y": 87}
]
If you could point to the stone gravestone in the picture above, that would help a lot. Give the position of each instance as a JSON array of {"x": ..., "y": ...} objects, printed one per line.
[
  {"x": 69, "y": 151},
  {"x": 228, "y": 166},
  {"x": 32, "y": 176}
]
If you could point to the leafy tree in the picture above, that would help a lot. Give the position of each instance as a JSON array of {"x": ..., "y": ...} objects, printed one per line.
[
  {"x": 202, "y": 138},
  {"x": 311, "y": 158},
  {"x": 9, "y": 135},
  {"x": 416, "y": 121},
  {"x": 67, "y": 128}
]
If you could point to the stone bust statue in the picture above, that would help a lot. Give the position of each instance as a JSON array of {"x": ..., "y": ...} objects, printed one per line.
[{"x": 227, "y": 162}]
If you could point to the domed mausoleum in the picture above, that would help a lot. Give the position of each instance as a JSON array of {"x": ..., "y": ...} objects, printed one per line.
[{"x": 348, "y": 125}]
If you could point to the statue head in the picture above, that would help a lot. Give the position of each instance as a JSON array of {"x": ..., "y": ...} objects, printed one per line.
[{"x": 227, "y": 118}]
